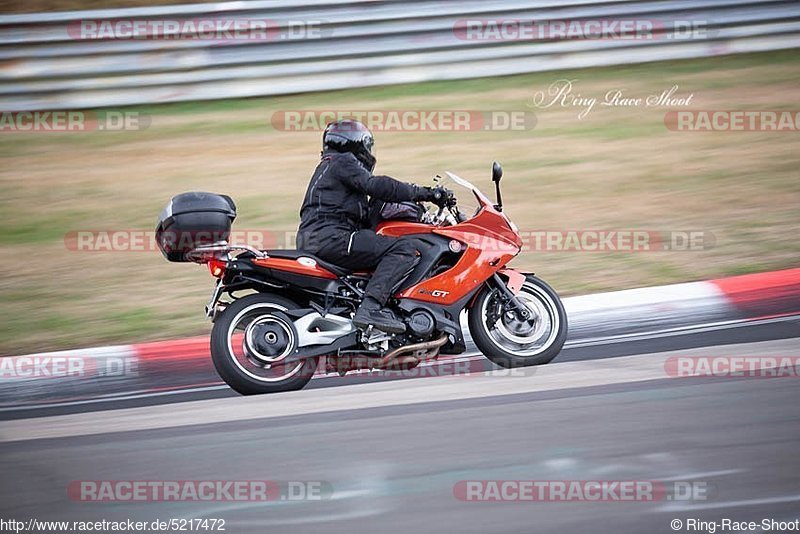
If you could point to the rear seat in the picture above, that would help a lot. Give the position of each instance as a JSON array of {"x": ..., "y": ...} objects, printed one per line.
[{"x": 294, "y": 254}]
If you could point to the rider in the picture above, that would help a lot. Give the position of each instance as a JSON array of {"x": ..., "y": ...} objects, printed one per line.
[{"x": 335, "y": 219}]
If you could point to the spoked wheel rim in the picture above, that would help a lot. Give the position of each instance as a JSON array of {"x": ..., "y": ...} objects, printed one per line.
[
  {"x": 525, "y": 337},
  {"x": 259, "y": 340}
]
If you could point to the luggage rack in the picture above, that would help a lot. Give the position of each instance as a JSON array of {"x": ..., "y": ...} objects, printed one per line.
[{"x": 213, "y": 251}]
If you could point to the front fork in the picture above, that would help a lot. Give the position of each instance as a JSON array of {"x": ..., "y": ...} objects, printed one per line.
[{"x": 507, "y": 293}]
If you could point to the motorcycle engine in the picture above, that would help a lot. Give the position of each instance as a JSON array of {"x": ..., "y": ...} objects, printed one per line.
[{"x": 421, "y": 323}]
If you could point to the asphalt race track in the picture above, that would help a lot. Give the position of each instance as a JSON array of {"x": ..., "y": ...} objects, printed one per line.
[{"x": 391, "y": 455}]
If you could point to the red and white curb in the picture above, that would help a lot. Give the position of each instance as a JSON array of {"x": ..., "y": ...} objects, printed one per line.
[
  {"x": 661, "y": 308},
  {"x": 166, "y": 365}
]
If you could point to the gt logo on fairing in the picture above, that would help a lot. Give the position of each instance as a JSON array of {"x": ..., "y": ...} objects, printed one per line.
[{"x": 438, "y": 293}]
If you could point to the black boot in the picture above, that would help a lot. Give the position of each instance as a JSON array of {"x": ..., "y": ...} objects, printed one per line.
[{"x": 372, "y": 313}]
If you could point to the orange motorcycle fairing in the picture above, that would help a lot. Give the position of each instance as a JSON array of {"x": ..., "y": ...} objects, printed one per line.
[{"x": 490, "y": 244}]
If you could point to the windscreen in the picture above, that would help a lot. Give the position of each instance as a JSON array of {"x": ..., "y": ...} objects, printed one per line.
[{"x": 464, "y": 191}]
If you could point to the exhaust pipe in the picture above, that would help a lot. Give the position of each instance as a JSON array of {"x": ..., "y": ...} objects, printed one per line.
[{"x": 412, "y": 354}]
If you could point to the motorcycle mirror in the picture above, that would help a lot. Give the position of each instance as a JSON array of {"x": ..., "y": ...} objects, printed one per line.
[{"x": 497, "y": 172}]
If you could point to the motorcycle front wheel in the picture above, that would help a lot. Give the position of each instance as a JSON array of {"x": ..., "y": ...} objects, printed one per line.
[
  {"x": 511, "y": 341},
  {"x": 250, "y": 341}
]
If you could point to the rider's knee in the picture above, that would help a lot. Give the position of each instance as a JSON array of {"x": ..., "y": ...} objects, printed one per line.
[{"x": 408, "y": 245}]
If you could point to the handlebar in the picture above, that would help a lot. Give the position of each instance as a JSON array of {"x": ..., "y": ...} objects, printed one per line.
[{"x": 446, "y": 214}]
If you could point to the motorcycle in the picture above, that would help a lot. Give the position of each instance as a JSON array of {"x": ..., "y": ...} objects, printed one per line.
[{"x": 276, "y": 313}]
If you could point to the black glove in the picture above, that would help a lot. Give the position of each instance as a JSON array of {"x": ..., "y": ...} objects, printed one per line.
[{"x": 440, "y": 196}]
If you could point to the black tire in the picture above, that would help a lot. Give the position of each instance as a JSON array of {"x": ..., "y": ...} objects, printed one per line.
[
  {"x": 240, "y": 372},
  {"x": 504, "y": 356}
]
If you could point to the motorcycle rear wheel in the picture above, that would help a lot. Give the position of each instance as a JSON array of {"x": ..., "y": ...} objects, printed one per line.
[{"x": 251, "y": 338}]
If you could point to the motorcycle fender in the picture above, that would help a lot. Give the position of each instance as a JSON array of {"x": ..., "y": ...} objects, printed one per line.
[{"x": 515, "y": 279}]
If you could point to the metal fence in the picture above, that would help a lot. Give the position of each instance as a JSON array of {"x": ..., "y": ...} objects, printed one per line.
[{"x": 72, "y": 60}]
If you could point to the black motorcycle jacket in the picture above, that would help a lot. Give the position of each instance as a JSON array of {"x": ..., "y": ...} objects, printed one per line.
[{"x": 337, "y": 199}]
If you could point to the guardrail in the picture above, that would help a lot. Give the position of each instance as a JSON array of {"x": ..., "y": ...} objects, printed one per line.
[{"x": 85, "y": 59}]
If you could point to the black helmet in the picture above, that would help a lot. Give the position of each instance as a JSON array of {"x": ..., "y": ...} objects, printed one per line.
[{"x": 350, "y": 136}]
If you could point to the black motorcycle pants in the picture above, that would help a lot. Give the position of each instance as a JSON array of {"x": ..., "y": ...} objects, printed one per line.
[{"x": 391, "y": 258}]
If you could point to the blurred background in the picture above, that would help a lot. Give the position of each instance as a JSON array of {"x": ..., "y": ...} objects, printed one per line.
[{"x": 173, "y": 110}]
